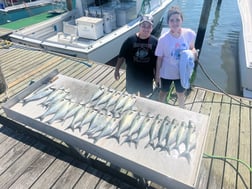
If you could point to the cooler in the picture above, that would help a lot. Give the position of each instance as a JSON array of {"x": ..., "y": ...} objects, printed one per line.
[{"x": 89, "y": 27}]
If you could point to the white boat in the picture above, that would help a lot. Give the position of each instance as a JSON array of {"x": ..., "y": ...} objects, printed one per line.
[
  {"x": 13, "y": 5},
  {"x": 95, "y": 29},
  {"x": 245, "y": 47}
]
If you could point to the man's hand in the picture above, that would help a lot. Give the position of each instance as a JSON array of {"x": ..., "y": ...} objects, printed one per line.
[{"x": 117, "y": 74}]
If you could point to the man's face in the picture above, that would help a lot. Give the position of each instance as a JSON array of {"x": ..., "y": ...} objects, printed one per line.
[{"x": 145, "y": 29}]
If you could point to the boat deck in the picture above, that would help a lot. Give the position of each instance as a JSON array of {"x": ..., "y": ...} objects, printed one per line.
[{"x": 29, "y": 159}]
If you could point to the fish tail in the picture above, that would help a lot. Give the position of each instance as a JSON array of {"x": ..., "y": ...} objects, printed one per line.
[
  {"x": 150, "y": 143},
  {"x": 135, "y": 141},
  {"x": 40, "y": 118},
  {"x": 116, "y": 136},
  {"x": 159, "y": 145},
  {"x": 128, "y": 139},
  {"x": 71, "y": 126},
  {"x": 164, "y": 148},
  {"x": 186, "y": 155},
  {"x": 95, "y": 139},
  {"x": 176, "y": 147}
]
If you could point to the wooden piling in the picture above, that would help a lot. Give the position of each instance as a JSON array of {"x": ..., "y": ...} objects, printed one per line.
[{"x": 203, "y": 23}]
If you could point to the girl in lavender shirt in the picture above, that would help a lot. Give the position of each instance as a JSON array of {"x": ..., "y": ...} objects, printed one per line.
[{"x": 170, "y": 44}]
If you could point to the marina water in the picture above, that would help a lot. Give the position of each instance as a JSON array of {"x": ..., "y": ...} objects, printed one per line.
[{"x": 219, "y": 53}]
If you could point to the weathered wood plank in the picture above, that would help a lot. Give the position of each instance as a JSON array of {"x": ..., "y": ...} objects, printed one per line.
[
  {"x": 230, "y": 173},
  {"x": 89, "y": 180},
  {"x": 33, "y": 171},
  {"x": 189, "y": 98},
  {"x": 19, "y": 165},
  {"x": 245, "y": 146},
  {"x": 10, "y": 142},
  {"x": 220, "y": 142},
  {"x": 33, "y": 72},
  {"x": 71, "y": 175},
  {"x": 4, "y": 133},
  {"x": 13, "y": 154},
  {"x": 52, "y": 173},
  {"x": 206, "y": 163},
  {"x": 210, "y": 144}
]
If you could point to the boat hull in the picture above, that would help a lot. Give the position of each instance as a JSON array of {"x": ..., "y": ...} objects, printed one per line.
[{"x": 245, "y": 47}]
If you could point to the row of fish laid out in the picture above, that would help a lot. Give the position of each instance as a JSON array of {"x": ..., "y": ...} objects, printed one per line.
[
  {"x": 103, "y": 98},
  {"x": 112, "y": 100},
  {"x": 128, "y": 126}
]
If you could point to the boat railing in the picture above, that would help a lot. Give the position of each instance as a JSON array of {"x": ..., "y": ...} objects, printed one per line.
[{"x": 14, "y": 5}]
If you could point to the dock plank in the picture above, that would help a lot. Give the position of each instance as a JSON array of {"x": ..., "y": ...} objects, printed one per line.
[
  {"x": 221, "y": 140},
  {"x": 245, "y": 145},
  {"x": 16, "y": 151},
  {"x": 90, "y": 179},
  {"x": 54, "y": 172},
  {"x": 33, "y": 172},
  {"x": 232, "y": 146},
  {"x": 70, "y": 176},
  {"x": 8, "y": 143},
  {"x": 4, "y": 133},
  {"x": 19, "y": 166}
]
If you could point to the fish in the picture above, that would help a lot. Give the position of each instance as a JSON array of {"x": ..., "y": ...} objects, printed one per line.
[
  {"x": 108, "y": 129},
  {"x": 125, "y": 123},
  {"x": 113, "y": 99},
  {"x": 164, "y": 128},
  {"x": 60, "y": 94},
  {"x": 154, "y": 131},
  {"x": 144, "y": 129},
  {"x": 82, "y": 111},
  {"x": 180, "y": 135},
  {"x": 99, "y": 124},
  {"x": 190, "y": 142},
  {"x": 98, "y": 93},
  {"x": 171, "y": 135},
  {"x": 59, "y": 115},
  {"x": 129, "y": 103},
  {"x": 55, "y": 95},
  {"x": 89, "y": 116},
  {"x": 121, "y": 101},
  {"x": 105, "y": 97},
  {"x": 38, "y": 95},
  {"x": 73, "y": 108},
  {"x": 96, "y": 122},
  {"x": 135, "y": 126},
  {"x": 52, "y": 109}
]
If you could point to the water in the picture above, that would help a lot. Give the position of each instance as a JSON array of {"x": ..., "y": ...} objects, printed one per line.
[
  {"x": 219, "y": 53},
  {"x": 23, "y": 13}
]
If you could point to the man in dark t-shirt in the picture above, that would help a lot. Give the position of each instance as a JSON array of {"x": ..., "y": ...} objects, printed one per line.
[{"x": 138, "y": 51}]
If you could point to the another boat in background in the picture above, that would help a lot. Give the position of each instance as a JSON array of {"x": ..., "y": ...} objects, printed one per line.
[
  {"x": 245, "y": 47},
  {"x": 12, "y": 10},
  {"x": 93, "y": 29}
]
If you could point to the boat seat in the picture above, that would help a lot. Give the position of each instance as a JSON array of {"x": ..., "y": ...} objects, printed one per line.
[{"x": 66, "y": 38}]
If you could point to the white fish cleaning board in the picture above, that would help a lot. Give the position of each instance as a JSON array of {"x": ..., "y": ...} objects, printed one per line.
[{"x": 173, "y": 166}]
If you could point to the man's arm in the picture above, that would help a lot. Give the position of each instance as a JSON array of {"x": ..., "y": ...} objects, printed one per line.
[{"x": 120, "y": 61}]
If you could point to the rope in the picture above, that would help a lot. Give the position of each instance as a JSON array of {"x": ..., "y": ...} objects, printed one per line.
[
  {"x": 228, "y": 158},
  {"x": 218, "y": 87},
  {"x": 5, "y": 44}
]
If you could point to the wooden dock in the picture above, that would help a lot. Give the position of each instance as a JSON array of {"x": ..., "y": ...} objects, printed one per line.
[
  {"x": 4, "y": 32},
  {"x": 29, "y": 159}
]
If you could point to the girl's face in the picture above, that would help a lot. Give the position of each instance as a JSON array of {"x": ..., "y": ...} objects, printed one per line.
[{"x": 175, "y": 21}]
